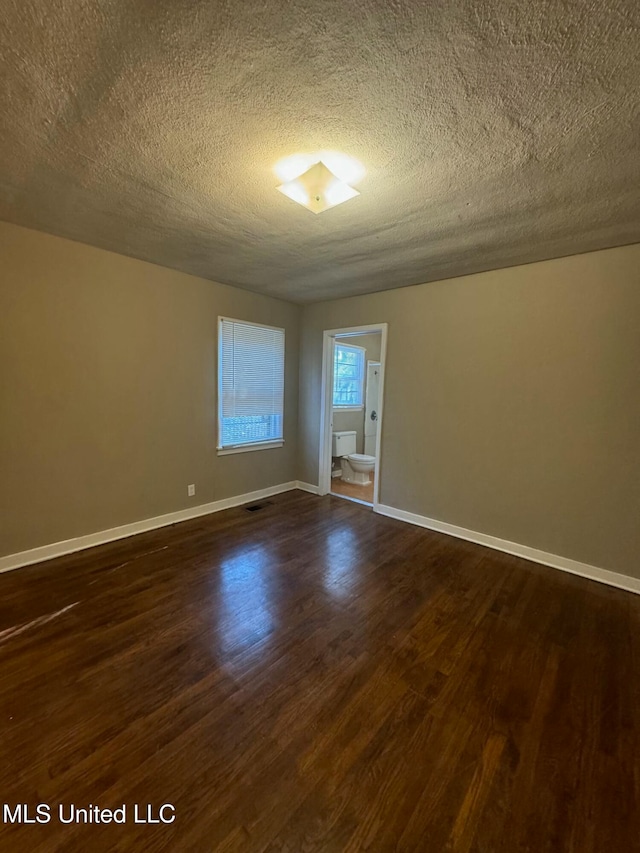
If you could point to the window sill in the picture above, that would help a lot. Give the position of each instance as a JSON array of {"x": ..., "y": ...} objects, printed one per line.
[{"x": 246, "y": 448}]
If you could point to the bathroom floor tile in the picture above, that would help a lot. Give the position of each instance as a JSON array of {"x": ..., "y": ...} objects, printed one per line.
[{"x": 352, "y": 490}]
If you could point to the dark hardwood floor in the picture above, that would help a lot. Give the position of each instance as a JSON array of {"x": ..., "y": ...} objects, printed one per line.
[{"x": 314, "y": 677}]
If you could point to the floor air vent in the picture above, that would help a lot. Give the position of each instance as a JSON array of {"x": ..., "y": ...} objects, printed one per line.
[{"x": 257, "y": 507}]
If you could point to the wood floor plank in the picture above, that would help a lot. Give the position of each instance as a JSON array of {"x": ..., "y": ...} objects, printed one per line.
[{"x": 315, "y": 677}]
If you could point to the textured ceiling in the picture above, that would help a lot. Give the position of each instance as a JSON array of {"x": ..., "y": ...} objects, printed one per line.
[{"x": 494, "y": 132}]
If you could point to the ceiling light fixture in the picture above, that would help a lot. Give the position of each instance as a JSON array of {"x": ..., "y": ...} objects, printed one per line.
[{"x": 319, "y": 181}]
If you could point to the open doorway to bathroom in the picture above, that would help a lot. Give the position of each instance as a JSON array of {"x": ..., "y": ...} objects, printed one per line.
[{"x": 353, "y": 387}]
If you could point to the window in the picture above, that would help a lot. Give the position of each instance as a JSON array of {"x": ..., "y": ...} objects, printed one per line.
[
  {"x": 348, "y": 377},
  {"x": 250, "y": 386}
]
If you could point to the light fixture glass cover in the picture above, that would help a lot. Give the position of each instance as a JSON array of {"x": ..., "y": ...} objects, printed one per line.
[
  {"x": 345, "y": 167},
  {"x": 318, "y": 189}
]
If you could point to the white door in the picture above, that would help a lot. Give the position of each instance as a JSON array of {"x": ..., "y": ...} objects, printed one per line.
[{"x": 372, "y": 397}]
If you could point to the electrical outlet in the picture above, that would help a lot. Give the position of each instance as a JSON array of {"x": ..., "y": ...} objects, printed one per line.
[{"x": 191, "y": 490}]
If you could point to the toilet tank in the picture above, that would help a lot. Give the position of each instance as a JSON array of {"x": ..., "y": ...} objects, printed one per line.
[{"x": 343, "y": 443}]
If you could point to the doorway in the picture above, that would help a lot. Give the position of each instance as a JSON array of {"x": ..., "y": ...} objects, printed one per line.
[{"x": 351, "y": 416}]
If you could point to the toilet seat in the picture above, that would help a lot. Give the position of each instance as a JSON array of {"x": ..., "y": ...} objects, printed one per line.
[{"x": 362, "y": 457}]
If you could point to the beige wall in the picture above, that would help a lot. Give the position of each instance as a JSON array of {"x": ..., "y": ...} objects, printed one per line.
[
  {"x": 355, "y": 420},
  {"x": 108, "y": 390},
  {"x": 512, "y": 402}
]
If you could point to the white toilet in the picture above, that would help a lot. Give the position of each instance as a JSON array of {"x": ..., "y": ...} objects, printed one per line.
[{"x": 356, "y": 467}]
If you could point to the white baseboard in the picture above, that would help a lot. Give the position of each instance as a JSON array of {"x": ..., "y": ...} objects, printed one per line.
[
  {"x": 307, "y": 487},
  {"x": 563, "y": 563},
  {"x": 68, "y": 546}
]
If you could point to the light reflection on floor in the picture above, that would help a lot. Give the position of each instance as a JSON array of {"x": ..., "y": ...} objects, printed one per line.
[
  {"x": 245, "y": 618},
  {"x": 341, "y": 572}
]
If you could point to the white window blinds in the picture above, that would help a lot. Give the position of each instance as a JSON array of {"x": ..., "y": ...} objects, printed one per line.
[{"x": 250, "y": 384}]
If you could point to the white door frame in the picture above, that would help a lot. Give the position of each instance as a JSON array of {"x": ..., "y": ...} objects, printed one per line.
[
  {"x": 371, "y": 368},
  {"x": 326, "y": 406}
]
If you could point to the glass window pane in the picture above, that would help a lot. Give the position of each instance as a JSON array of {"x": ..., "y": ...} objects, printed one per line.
[{"x": 348, "y": 375}]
